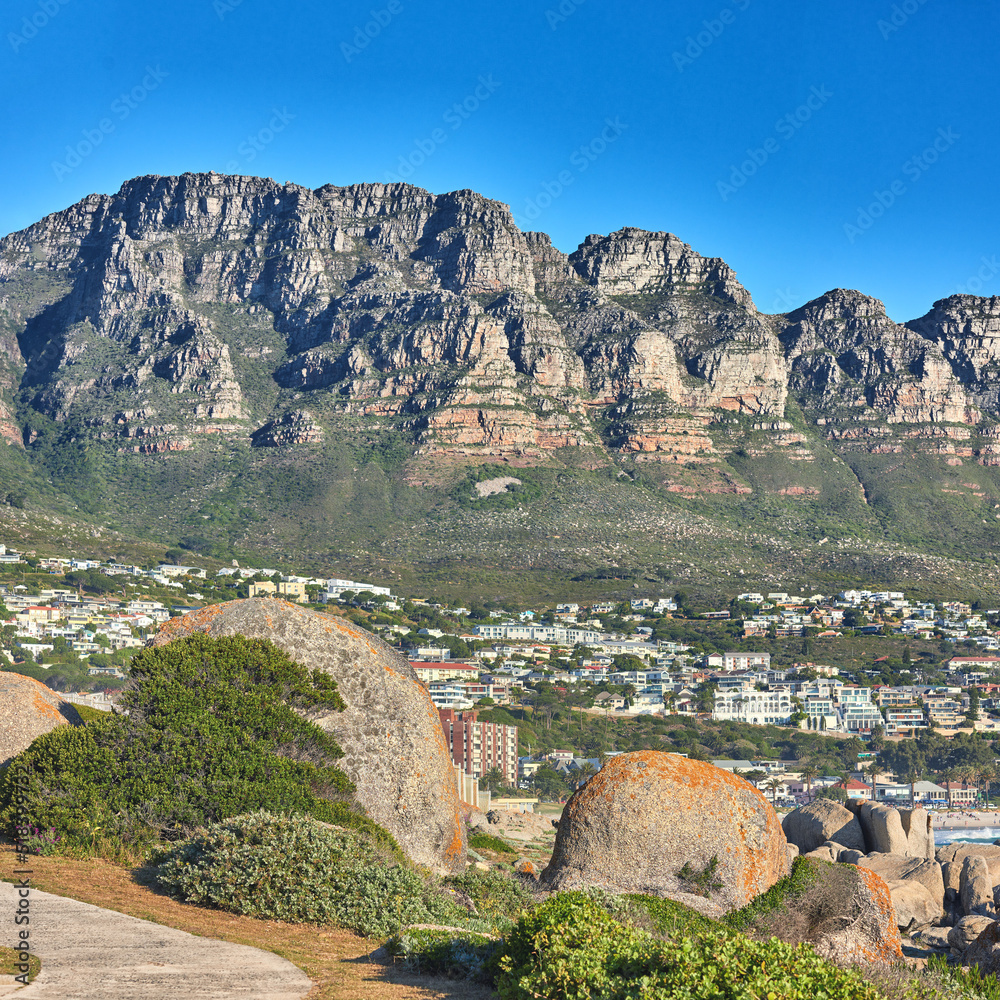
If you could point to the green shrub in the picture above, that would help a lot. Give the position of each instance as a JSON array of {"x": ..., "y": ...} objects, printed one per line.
[
  {"x": 299, "y": 870},
  {"x": 668, "y": 919},
  {"x": 499, "y": 897},
  {"x": 570, "y": 948},
  {"x": 454, "y": 954},
  {"x": 487, "y": 842},
  {"x": 803, "y": 876},
  {"x": 211, "y": 731}
]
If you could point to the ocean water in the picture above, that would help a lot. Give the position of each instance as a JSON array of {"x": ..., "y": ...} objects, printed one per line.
[{"x": 986, "y": 835}]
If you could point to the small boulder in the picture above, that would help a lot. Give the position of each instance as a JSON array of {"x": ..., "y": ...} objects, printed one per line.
[
  {"x": 933, "y": 937},
  {"x": 821, "y": 820},
  {"x": 951, "y": 872},
  {"x": 826, "y": 852},
  {"x": 975, "y": 892},
  {"x": 966, "y": 931},
  {"x": 913, "y": 903},
  {"x": 526, "y": 870},
  {"x": 985, "y": 950},
  {"x": 883, "y": 829},
  {"x": 845, "y": 913},
  {"x": 851, "y": 857},
  {"x": 477, "y": 819},
  {"x": 659, "y": 823},
  {"x": 859, "y": 924}
]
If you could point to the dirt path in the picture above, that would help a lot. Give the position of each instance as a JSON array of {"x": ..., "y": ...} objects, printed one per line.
[{"x": 336, "y": 961}]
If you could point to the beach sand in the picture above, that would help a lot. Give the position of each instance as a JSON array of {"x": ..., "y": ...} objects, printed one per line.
[{"x": 969, "y": 820}]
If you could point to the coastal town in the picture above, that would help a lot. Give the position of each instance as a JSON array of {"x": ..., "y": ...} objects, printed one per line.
[{"x": 607, "y": 657}]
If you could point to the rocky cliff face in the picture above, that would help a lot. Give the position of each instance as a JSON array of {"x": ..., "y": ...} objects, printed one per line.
[
  {"x": 205, "y": 304},
  {"x": 204, "y": 312}
]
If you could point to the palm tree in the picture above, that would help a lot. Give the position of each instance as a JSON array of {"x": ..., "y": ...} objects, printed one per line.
[
  {"x": 949, "y": 777},
  {"x": 772, "y": 786},
  {"x": 874, "y": 770},
  {"x": 967, "y": 774},
  {"x": 809, "y": 774},
  {"x": 910, "y": 776},
  {"x": 584, "y": 773},
  {"x": 986, "y": 775}
]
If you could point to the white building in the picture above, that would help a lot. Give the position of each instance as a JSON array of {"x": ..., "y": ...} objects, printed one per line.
[{"x": 759, "y": 708}]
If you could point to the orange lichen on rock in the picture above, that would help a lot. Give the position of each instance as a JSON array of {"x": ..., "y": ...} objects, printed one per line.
[
  {"x": 27, "y": 710},
  {"x": 647, "y": 815},
  {"x": 891, "y": 947}
]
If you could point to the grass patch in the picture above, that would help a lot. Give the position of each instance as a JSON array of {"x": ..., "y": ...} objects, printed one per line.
[
  {"x": 10, "y": 965},
  {"x": 488, "y": 842}
]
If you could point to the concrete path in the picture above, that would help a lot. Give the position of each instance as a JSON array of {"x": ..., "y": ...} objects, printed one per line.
[{"x": 92, "y": 954}]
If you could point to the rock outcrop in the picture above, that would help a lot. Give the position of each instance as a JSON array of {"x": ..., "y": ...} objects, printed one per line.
[
  {"x": 394, "y": 747},
  {"x": 975, "y": 887},
  {"x": 897, "y": 868},
  {"x": 809, "y": 826},
  {"x": 967, "y": 930},
  {"x": 660, "y": 823},
  {"x": 955, "y": 855},
  {"x": 28, "y": 709},
  {"x": 184, "y": 319},
  {"x": 984, "y": 951}
]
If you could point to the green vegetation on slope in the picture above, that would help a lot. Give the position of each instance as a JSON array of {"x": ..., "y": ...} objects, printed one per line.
[{"x": 211, "y": 731}]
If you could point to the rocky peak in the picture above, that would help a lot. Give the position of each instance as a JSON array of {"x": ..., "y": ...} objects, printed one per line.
[{"x": 634, "y": 261}]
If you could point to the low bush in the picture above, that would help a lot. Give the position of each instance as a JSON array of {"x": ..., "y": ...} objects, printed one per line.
[
  {"x": 571, "y": 948},
  {"x": 300, "y": 870},
  {"x": 498, "y": 897},
  {"x": 794, "y": 886},
  {"x": 452, "y": 954},
  {"x": 479, "y": 841},
  {"x": 215, "y": 728}
]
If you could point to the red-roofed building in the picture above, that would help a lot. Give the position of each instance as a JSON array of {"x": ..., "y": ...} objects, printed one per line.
[
  {"x": 855, "y": 789},
  {"x": 445, "y": 670}
]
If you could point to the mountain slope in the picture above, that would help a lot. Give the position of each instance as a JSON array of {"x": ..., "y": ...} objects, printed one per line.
[{"x": 243, "y": 366}]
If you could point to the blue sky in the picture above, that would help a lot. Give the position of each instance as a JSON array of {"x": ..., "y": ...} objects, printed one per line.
[{"x": 812, "y": 146}]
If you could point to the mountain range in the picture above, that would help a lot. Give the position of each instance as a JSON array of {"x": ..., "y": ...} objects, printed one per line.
[{"x": 374, "y": 376}]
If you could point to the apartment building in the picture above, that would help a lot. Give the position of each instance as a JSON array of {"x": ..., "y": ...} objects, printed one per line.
[{"x": 476, "y": 746}]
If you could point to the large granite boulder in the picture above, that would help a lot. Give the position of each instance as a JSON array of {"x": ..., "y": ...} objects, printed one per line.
[
  {"x": 653, "y": 822},
  {"x": 883, "y": 829},
  {"x": 918, "y": 825},
  {"x": 821, "y": 820},
  {"x": 391, "y": 735},
  {"x": 901, "y": 868},
  {"x": 28, "y": 709},
  {"x": 955, "y": 855}
]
